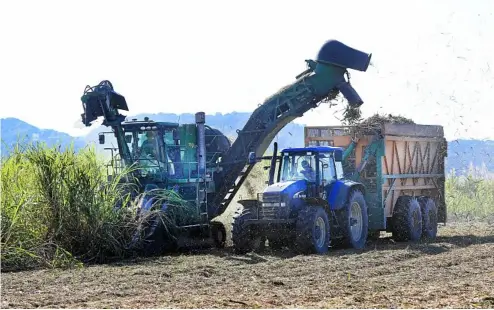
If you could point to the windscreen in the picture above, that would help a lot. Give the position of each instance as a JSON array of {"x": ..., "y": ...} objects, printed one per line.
[
  {"x": 298, "y": 167},
  {"x": 148, "y": 150}
]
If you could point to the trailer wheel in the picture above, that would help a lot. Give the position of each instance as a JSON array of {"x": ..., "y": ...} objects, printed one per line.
[
  {"x": 407, "y": 219},
  {"x": 312, "y": 231},
  {"x": 355, "y": 221},
  {"x": 429, "y": 217},
  {"x": 241, "y": 233}
]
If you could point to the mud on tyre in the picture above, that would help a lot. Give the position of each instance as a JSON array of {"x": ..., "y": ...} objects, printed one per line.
[
  {"x": 312, "y": 231},
  {"x": 243, "y": 238},
  {"x": 354, "y": 220},
  {"x": 407, "y": 219},
  {"x": 429, "y": 218}
]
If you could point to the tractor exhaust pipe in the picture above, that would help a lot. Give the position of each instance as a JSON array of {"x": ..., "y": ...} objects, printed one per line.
[
  {"x": 201, "y": 142},
  {"x": 273, "y": 163}
]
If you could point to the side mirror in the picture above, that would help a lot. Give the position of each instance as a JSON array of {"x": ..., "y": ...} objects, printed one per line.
[
  {"x": 128, "y": 138},
  {"x": 252, "y": 158},
  {"x": 101, "y": 138}
]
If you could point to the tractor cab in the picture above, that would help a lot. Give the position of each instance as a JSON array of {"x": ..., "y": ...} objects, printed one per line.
[
  {"x": 312, "y": 169},
  {"x": 303, "y": 173}
]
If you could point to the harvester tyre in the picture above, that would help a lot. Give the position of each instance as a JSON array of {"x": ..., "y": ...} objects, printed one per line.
[
  {"x": 157, "y": 238},
  {"x": 355, "y": 220},
  {"x": 429, "y": 218},
  {"x": 407, "y": 219},
  {"x": 313, "y": 231},
  {"x": 218, "y": 233},
  {"x": 241, "y": 233}
]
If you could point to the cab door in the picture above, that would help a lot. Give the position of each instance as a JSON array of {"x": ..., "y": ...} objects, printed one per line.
[{"x": 326, "y": 173}]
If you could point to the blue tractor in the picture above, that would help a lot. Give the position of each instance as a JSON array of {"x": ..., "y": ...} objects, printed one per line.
[{"x": 310, "y": 204}]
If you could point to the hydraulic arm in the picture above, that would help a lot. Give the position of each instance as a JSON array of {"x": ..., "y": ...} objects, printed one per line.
[
  {"x": 324, "y": 79},
  {"x": 102, "y": 100}
]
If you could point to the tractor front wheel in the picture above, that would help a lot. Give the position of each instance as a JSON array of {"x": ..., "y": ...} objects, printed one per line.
[
  {"x": 313, "y": 231},
  {"x": 244, "y": 240}
]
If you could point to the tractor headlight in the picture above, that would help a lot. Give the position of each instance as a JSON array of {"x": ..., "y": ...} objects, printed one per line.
[{"x": 273, "y": 204}]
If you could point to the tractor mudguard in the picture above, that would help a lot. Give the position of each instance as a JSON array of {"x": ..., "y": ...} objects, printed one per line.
[{"x": 337, "y": 193}]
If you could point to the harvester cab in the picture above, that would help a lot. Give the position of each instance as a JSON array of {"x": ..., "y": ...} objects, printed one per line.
[{"x": 152, "y": 149}]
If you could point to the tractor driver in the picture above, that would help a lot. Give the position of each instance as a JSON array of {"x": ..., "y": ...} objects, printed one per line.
[{"x": 307, "y": 171}]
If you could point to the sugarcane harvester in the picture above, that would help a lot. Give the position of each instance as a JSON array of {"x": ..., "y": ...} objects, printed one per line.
[{"x": 197, "y": 161}]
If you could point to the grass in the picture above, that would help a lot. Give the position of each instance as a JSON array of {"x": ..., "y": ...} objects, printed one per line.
[
  {"x": 470, "y": 197},
  {"x": 58, "y": 209}
]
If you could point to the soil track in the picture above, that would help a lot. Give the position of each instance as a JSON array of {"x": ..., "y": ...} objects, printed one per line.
[{"x": 455, "y": 271}]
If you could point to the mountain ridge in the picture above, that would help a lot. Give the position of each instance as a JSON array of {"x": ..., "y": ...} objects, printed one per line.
[{"x": 463, "y": 154}]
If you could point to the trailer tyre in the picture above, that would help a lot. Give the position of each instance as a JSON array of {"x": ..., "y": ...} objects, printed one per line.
[
  {"x": 407, "y": 219},
  {"x": 313, "y": 231},
  {"x": 429, "y": 217},
  {"x": 355, "y": 220}
]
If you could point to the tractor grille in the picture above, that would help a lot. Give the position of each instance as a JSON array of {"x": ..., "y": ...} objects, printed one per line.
[
  {"x": 271, "y": 206},
  {"x": 268, "y": 212}
]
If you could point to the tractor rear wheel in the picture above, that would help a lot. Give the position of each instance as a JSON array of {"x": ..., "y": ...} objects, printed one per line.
[
  {"x": 429, "y": 218},
  {"x": 312, "y": 231},
  {"x": 407, "y": 219},
  {"x": 355, "y": 220}
]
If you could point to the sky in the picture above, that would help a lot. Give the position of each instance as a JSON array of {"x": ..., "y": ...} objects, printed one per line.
[{"x": 432, "y": 61}]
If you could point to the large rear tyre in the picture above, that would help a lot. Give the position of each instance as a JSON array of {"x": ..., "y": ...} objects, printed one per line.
[
  {"x": 355, "y": 221},
  {"x": 429, "y": 218},
  {"x": 313, "y": 231},
  {"x": 407, "y": 219}
]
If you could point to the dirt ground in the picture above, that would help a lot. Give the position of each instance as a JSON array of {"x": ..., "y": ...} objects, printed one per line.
[{"x": 455, "y": 271}]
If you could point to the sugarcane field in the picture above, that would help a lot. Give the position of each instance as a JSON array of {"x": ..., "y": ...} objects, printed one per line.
[{"x": 251, "y": 162}]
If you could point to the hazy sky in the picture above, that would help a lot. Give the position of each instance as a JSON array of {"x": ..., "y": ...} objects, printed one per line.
[{"x": 433, "y": 60}]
